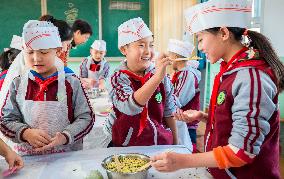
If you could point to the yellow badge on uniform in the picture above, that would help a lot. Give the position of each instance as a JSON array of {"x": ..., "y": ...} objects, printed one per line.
[{"x": 221, "y": 97}]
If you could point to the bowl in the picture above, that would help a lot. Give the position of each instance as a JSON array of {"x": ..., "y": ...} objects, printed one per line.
[{"x": 125, "y": 159}]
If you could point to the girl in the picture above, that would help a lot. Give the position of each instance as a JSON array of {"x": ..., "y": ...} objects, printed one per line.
[
  {"x": 185, "y": 80},
  {"x": 242, "y": 132},
  {"x": 45, "y": 86},
  {"x": 94, "y": 69},
  {"x": 142, "y": 97},
  {"x": 66, "y": 36}
]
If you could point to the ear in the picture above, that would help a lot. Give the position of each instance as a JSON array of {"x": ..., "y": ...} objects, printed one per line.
[
  {"x": 123, "y": 50},
  {"x": 224, "y": 33},
  {"x": 77, "y": 32}
]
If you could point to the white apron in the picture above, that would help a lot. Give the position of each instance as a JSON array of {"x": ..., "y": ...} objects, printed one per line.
[
  {"x": 95, "y": 74},
  {"x": 50, "y": 116},
  {"x": 183, "y": 135}
]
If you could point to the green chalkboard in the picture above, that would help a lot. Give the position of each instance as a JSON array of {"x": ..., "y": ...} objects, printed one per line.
[
  {"x": 70, "y": 10},
  {"x": 112, "y": 18},
  {"x": 14, "y": 14}
]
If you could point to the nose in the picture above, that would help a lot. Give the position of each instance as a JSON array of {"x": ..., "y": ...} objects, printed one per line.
[
  {"x": 36, "y": 57},
  {"x": 147, "y": 50}
]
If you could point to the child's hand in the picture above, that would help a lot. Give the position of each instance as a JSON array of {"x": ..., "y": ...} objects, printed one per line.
[
  {"x": 166, "y": 162},
  {"x": 59, "y": 139},
  {"x": 188, "y": 116},
  {"x": 13, "y": 160},
  {"x": 36, "y": 137},
  {"x": 161, "y": 65}
]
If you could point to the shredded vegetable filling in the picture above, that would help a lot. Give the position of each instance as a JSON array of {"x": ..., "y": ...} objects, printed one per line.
[{"x": 127, "y": 164}]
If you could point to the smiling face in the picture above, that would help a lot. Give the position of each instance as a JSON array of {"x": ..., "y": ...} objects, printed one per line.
[
  {"x": 41, "y": 61},
  {"x": 139, "y": 54},
  {"x": 211, "y": 44}
]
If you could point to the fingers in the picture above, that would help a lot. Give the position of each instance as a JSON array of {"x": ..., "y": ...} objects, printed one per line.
[
  {"x": 44, "y": 137},
  {"x": 19, "y": 163},
  {"x": 46, "y": 147}
]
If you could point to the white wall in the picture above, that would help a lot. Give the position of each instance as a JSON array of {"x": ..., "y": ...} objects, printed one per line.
[{"x": 273, "y": 23}]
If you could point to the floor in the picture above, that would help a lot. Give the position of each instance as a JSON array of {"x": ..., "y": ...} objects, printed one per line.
[{"x": 200, "y": 143}]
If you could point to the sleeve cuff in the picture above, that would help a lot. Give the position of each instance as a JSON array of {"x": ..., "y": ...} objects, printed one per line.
[
  {"x": 226, "y": 158},
  {"x": 21, "y": 132},
  {"x": 68, "y": 136}
]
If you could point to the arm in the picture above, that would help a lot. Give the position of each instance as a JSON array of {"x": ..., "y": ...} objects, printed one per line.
[
  {"x": 170, "y": 108},
  {"x": 171, "y": 123},
  {"x": 143, "y": 94},
  {"x": 83, "y": 69},
  {"x": 13, "y": 160},
  {"x": 12, "y": 122},
  {"x": 83, "y": 114}
]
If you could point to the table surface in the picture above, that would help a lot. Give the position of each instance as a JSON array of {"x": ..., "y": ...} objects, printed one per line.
[{"x": 78, "y": 164}]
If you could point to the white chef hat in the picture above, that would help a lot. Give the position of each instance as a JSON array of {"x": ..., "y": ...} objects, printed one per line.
[
  {"x": 132, "y": 30},
  {"x": 17, "y": 42},
  {"x": 180, "y": 47},
  {"x": 99, "y": 45},
  {"x": 40, "y": 35},
  {"x": 218, "y": 13}
]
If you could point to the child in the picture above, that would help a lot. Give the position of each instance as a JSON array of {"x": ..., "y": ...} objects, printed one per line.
[
  {"x": 13, "y": 160},
  {"x": 46, "y": 109},
  {"x": 66, "y": 36},
  {"x": 242, "y": 132},
  {"x": 185, "y": 80},
  {"x": 95, "y": 69},
  {"x": 142, "y": 96},
  {"x": 7, "y": 57}
]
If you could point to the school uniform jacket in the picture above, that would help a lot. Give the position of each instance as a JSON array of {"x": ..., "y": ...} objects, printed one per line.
[
  {"x": 80, "y": 115},
  {"x": 2, "y": 77},
  {"x": 247, "y": 117},
  {"x": 101, "y": 69},
  {"x": 124, "y": 121}
]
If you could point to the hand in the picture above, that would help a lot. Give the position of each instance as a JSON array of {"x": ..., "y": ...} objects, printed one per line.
[
  {"x": 188, "y": 116},
  {"x": 13, "y": 160},
  {"x": 59, "y": 139},
  {"x": 161, "y": 65},
  {"x": 36, "y": 137},
  {"x": 167, "y": 161},
  {"x": 88, "y": 83}
]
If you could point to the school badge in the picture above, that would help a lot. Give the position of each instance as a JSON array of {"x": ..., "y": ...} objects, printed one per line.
[
  {"x": 221, "y": 97},
  {"x": 159, "y": 97}
]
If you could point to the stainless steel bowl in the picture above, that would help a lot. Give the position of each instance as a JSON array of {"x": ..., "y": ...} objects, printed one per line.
[{"x": 118, "y": 175}]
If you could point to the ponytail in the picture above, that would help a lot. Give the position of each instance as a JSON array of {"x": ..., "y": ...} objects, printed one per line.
[{"x": 261, "y": 43}]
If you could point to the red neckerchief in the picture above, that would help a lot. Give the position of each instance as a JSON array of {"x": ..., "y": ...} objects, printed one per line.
[
  {"x": 144, "y": 113},
  {"x": 95, "y": 67},
  {"x": 175, "y": 77},
  {"x": 240, "y": 59},
  {"x": 43, "y": 86}
]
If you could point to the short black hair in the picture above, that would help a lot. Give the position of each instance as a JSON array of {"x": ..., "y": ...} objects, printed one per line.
[
  {"x": 83, "y": 26},
  {"x": 7, "y": 57},
  {"x": 65, "y": 31}
]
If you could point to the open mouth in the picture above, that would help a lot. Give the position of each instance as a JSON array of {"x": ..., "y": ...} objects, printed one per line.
[{"x": 145, "y": 59}]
